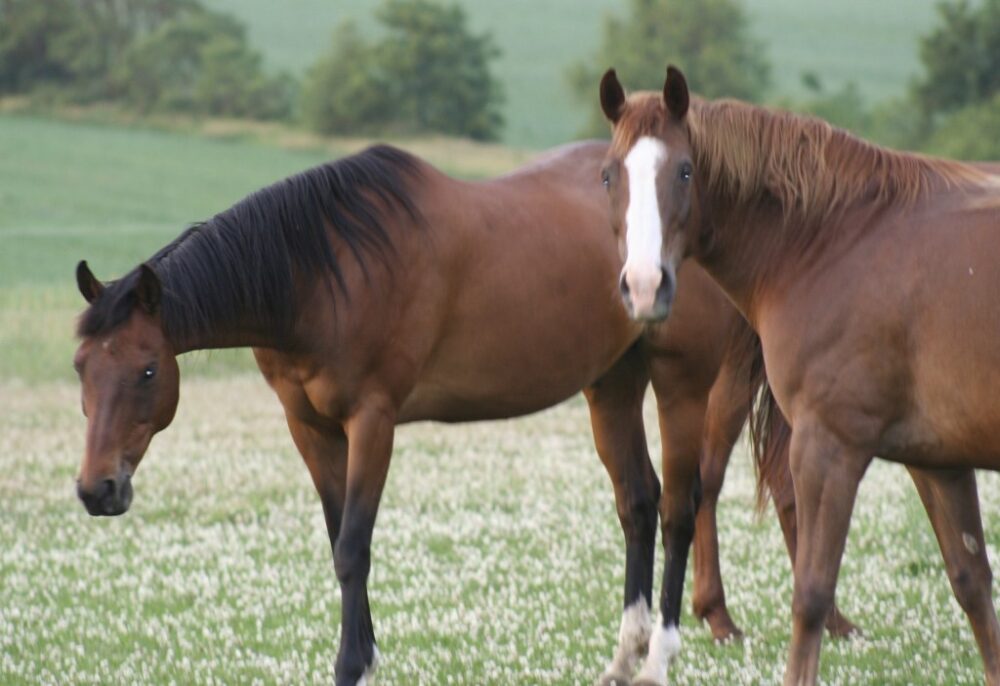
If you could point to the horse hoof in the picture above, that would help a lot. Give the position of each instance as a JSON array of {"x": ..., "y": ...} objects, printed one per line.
[
  {"x": 844, "y": 629},
  {"x": 614, "y": 680},
  {"x": 722, "y": 626}
]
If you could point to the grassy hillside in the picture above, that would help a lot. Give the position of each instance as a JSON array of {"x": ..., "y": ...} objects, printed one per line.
[
  {"x": 874, "y": 44},
  {"x": 70, "y": 191}
]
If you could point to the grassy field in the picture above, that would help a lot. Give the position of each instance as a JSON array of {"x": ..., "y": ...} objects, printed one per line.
[
  {"x": 497, "y": 560},
  {"x": 497, "y": 557},
  {"x": 873, "y": 44},
  {"x": 113, "y": 196}
]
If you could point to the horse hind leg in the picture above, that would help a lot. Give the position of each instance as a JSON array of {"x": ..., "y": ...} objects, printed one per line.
[
  {"x": 724, "y": 419},
  {"x": 951, "y": 500},
  {"x": 615, "y": 403}
]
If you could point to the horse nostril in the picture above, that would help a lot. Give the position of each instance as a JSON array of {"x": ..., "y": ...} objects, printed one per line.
[
  {"x": 108, "y": 488},
  {"x": 623, "y": 285}
]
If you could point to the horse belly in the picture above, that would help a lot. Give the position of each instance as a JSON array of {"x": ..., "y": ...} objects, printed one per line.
[{"x": 522, "y": 366}]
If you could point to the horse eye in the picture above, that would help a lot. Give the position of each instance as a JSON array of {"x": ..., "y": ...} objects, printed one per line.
[
  {"x": 148, "y": 373},
  {"x": 605, "y": 179},
  {"x": 685, "y": 172}
]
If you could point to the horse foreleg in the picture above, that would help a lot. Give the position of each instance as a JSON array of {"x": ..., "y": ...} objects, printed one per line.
[
  {"x": 825, "y": 475},
  {"x": 324, "y": 451},
  {"x": 952, "y": 503},
  {"x": 681, "y": 413},
  {"x": 779, "y": 483},
  {"x": 369, "y": 434},
  {"x": 724, "y": 419},
  {"x": 616, "y": 419}
]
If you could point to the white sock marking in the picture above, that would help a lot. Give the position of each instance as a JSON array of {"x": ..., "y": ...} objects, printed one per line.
[
  {"x": 633, "y": 635},
  {"x": 664, "y": 646}
]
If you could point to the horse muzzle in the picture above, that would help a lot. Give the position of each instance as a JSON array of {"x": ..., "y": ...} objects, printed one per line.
[
  {"x": 107, "y": 498},
  {"x": 647, "y": 296}
]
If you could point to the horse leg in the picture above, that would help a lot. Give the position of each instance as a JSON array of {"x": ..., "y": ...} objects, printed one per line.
[
  {"x": 825, "y": 475},
  {"x": 616, "y": 419},
  {"x": 952, "y": 503},
  {"x": 724, "y": 419},
  {"x": 780, "y": 486},
  {"x": 325, "y": 452},
  {"x": 369, "y": 433},
  {"x": 681, "y": 413}
]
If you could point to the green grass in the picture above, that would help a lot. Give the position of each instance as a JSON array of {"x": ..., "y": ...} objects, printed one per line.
[
  {"x": 874, "y": 44},
  {"x": 497, "y": 559},
  {"x": 113, "y": 196}
]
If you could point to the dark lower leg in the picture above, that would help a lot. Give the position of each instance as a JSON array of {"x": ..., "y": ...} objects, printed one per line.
[{"x": 952, "y": 503}]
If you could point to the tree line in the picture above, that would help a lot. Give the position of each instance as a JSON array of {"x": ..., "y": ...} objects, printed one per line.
[{"x": 428, "y": 73}]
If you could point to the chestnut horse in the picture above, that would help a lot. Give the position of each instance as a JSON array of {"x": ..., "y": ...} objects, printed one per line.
[
  {"x": 871, "y": 277},
  {"x": 374, "y": 291}
]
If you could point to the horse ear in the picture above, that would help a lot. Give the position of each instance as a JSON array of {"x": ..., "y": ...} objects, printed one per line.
[
  {"x": 88, "y": 284},
  {"x": 612, "y": 96},
  {"x": 148, "y": 289},
  {"x": 675, "y": 93}
]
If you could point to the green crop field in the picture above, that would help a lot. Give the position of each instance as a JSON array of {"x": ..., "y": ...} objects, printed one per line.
[{"x": 871, "y": 43}]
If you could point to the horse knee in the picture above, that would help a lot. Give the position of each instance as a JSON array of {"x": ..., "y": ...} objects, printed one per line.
[
  {"x": 678, "y": 522},
  {"x": 638, "y": 513},
  {"x": 811, "y": 605},
  {"x": 351, "y": 561}
]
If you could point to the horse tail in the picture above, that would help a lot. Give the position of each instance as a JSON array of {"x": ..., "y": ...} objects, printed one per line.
[{"x": 770, "y": 433}]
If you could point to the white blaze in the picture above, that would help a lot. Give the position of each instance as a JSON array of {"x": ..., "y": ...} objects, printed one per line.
[{"x": 643, "y": 226}]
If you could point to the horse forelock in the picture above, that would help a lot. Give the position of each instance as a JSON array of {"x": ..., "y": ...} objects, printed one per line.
[{"x": 244, "y": 262}]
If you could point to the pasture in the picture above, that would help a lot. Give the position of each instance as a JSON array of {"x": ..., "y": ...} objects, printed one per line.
[
  {"x": 497, "y": 558},
  {"x": 873, "y": 44}
]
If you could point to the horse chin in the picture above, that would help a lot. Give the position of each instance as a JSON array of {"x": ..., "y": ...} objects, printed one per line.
[
  {"x": 657, "y": 313},
  {"x": 112, "y": 503}
]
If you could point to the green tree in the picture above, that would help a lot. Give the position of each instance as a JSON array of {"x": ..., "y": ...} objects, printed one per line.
[
  {"x": 427, "y": 74},
  {"x": 709, "y": 39},
  {"x": 73, "y": 45},
  {"x": 201, "y": 63},
  {"x": 344, "y": 92},
  {"x": 32, "y": 43},
  {"x": 961, "y": 58},
  {"x": 972, "y": 133}
]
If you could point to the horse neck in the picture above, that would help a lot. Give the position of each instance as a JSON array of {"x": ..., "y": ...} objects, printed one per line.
[
  {"x": 737, "y": 250},
  {"x": 217, "y": 328}
]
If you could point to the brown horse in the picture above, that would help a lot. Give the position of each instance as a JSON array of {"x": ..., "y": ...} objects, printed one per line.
[
  {"x": 374, "y": 291},
  {"x": 861, "y": 269}
]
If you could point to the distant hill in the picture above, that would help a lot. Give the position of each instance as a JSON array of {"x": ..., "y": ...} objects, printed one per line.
[{"x": 872, "y": 43}]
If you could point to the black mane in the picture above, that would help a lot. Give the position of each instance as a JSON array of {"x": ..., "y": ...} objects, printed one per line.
[{"x": 243, "y": 263}]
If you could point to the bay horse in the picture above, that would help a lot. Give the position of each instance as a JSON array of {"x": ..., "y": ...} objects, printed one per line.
[
  {"x": 374, "y": 291},
  {"x": 871, "y": 278}
]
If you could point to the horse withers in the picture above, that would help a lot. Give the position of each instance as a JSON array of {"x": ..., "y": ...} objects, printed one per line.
[{"x": 870, "y": 276}]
